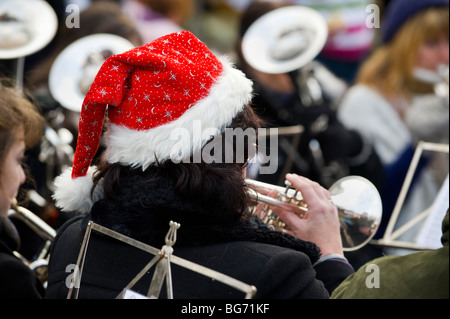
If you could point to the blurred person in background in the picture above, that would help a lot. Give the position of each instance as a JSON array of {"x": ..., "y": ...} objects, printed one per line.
[
  {"x": 155, "y": 18},
  {"x": 343, "y": 150},
  {"x": 394, "y": 102},
  {"x": 21, "y": 127},
  {"x": 350, "y": 38}
]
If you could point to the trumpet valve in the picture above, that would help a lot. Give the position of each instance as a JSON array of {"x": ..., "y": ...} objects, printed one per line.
[{"x": 292, "y": 196}]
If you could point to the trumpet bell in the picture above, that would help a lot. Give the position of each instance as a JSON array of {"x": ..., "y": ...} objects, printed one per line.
[{"x": 360, "y": 210}]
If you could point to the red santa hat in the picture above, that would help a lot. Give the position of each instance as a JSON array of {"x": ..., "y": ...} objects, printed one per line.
[{"x": 148, "y": 92}]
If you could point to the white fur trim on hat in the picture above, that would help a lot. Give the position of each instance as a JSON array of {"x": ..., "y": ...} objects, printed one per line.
[
  {"x": 226, "y": 99},
  {"x": 74, "y": 195}
]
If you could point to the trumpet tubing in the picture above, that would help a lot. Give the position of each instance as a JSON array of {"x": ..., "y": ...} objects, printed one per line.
[
  {"x": 43, "y": 230},
  {"x": 34, "y": 222}
]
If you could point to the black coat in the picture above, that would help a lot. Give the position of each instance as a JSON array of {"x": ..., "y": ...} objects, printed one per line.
[
  {"x": 278, "y": 265},
  {"x": 277, "y": 272},
  {"x": 17, "y": 281}
]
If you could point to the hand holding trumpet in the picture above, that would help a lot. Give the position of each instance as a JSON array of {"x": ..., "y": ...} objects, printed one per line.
[{"x": 321, "y": 223}]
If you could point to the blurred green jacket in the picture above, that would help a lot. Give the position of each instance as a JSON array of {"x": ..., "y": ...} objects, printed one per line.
[{"x": 420, "y": 275}]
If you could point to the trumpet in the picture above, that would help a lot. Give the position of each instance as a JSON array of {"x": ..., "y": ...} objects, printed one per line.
[
  {"x": 357, "y": 201},
  {"x": 40, "y": 265}
]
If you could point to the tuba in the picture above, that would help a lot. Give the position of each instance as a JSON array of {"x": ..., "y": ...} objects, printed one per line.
[{"x": 356, "y": 199}]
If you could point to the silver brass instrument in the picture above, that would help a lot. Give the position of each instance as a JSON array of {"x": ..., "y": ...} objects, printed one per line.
[
  {"x": 286, "y": 40},
  {"x": 43, "y": 230},
  {"x": 356, "y": 199}
]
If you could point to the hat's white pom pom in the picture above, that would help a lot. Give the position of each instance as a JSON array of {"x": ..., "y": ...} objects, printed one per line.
[{"x": 74, "y": 195}]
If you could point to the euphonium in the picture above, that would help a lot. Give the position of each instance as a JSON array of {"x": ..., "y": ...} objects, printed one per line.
[
  {"x": 40, "y": 265},
  {"x": 356, "y": 199}
]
